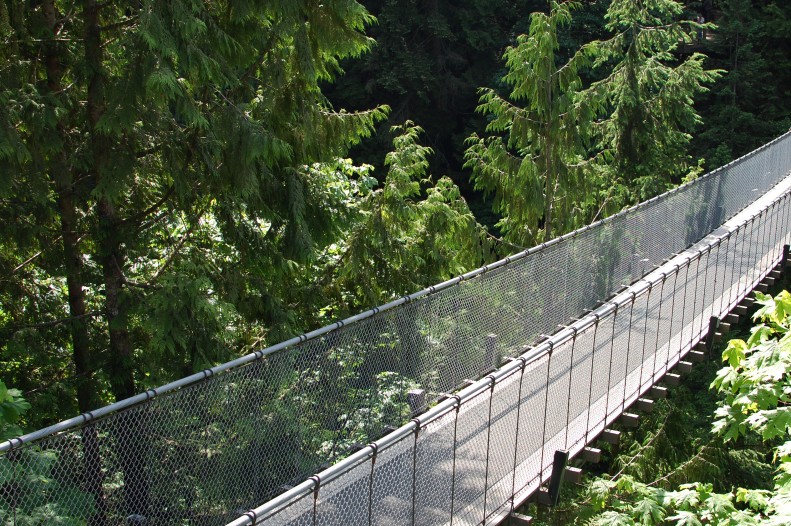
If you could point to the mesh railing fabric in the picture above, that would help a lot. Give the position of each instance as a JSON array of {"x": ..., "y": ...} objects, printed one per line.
[
  {"x": 472, "y": 458},
  {"x": 203, "y": 450}
]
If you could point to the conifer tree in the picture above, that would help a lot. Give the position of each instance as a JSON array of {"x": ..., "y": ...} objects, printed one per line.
[
  {"x": 136, "y": 137},
  {"x": 647, "y": 97},
  {"x": 532, "y": 161}
]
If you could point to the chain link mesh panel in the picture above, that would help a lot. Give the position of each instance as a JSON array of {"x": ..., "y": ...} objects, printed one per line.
[{"x": 202, "y": 451}]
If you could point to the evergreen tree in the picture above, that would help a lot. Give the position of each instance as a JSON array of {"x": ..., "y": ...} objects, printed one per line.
[
  {"x": 165, "y": 149},
  {"x": 535, "y": 171},
  {"x": 747, "y": 108},
  {"x": 648, "y": 96}
]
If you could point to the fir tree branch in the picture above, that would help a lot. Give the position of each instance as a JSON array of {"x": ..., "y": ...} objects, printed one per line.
[
  {"x": 45, "y": 324},
  {"x": 151, "y": 209}
]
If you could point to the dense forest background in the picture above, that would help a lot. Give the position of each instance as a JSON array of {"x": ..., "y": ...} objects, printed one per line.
[{"x": 183, "y": 184}]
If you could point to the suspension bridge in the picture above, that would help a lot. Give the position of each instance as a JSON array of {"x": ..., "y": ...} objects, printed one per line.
[{"x": 453, "y": 405}]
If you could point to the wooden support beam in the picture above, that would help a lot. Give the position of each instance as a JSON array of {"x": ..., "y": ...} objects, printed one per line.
[
  {"x": 696, "y": 356},
  {"x": 768, "y": 281},
  {"x": 658, "y": 392},
  {"x": 646, "y": 405},
  {"x": 684, "y": 367},
  {"x": 718, "y": 337},
  {"x": 740, "y": 310},
  {"x": 543, "y": 498},
  {"x": 762, "y": 287},
  {"x": 559, "y": 463},
  {"x": 611, "y": 436},
  {"x": 672, "y": 379},
  {"x": 733, "y": 319},
  {"x": 573, "y": 475},
  {"x": 630, "y": 420},
  {"x": 701, "y": 347},
  {"x": 724, "y": 327},
  {"x": 592, "y": 455},
  {"x": 517, "y": 519},
  {"x": 776, "y": 274}
]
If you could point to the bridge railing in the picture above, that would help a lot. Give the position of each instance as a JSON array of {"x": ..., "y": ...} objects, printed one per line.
[
  {"x": 473, "y": 457},
  {"x": 197, "y": 450}
]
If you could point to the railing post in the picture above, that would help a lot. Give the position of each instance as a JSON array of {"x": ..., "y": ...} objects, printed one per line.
[{"x": 489, "y": 357}]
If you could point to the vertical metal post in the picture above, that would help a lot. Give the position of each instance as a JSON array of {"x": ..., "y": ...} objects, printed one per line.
[
  {"x": 714, "y": 323},
  {"x": 628, "y": 352},
  {"x": 317, "y": 481},
  {"x": 371, "y": 485},
  {"x": 698, "y": 259},
  {"x": 684, "y": 308},
  {"x": 724, "y": 281},
  {"x": 489, "y": 357},
  {"x": 658, "y": 328},
  {"x": 672, "y": 318},
  {"x": 414, "y": 473},
  {"x": 733, "y": 284},
  {"x": 702, "y": 309},
  {"x": 546, "y": 403},
  {"x": 645, "y": 336},
  {"x": 750, "y": 265}
]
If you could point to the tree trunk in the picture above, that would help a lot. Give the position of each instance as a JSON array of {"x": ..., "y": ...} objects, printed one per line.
[
  {"x": 132, "y": 457},
  {"x": 72, "y": 259},
  {"x": 548, "y": 145}
]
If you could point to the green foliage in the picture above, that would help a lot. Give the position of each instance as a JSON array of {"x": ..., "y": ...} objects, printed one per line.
[
  {"x": 562, "y": 153},
  {"x": 756, "y": 384},
  {"x": 532, "y": 160},
  {"x": 746, "y": 107},
  {"x": 32, "y": 490},
  {"x": 12, "y": 407},
  {"x": 165, "y": 185},
  {"x": 407, "y": 234},
  {"x": 647, "y": 97}
]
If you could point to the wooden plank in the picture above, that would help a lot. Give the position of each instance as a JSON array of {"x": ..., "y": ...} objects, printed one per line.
[
  {"x": 611, "y": 436},
  {"x": 517, "y": 519},
  {"x": 543, "y": 498},
  {"x": 696, "y": 356},
  {"x": 733, "y": 319},
  {"x": 646, "y": 405},
  {"x": 572, "y": 475},
  {"x": 630, "y": 420},
  {"x": 658, "y": 392},
  {"x": 672, "y": 379},
  {"x": 592, "y": 455}
]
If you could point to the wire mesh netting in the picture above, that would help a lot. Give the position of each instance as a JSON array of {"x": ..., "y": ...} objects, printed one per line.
[
  {"x": 204, "y": 450},
  {"x": 469, "y": 459}
]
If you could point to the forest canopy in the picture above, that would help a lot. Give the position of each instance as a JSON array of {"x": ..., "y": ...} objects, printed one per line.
[{"x": 185, "y": 182}]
